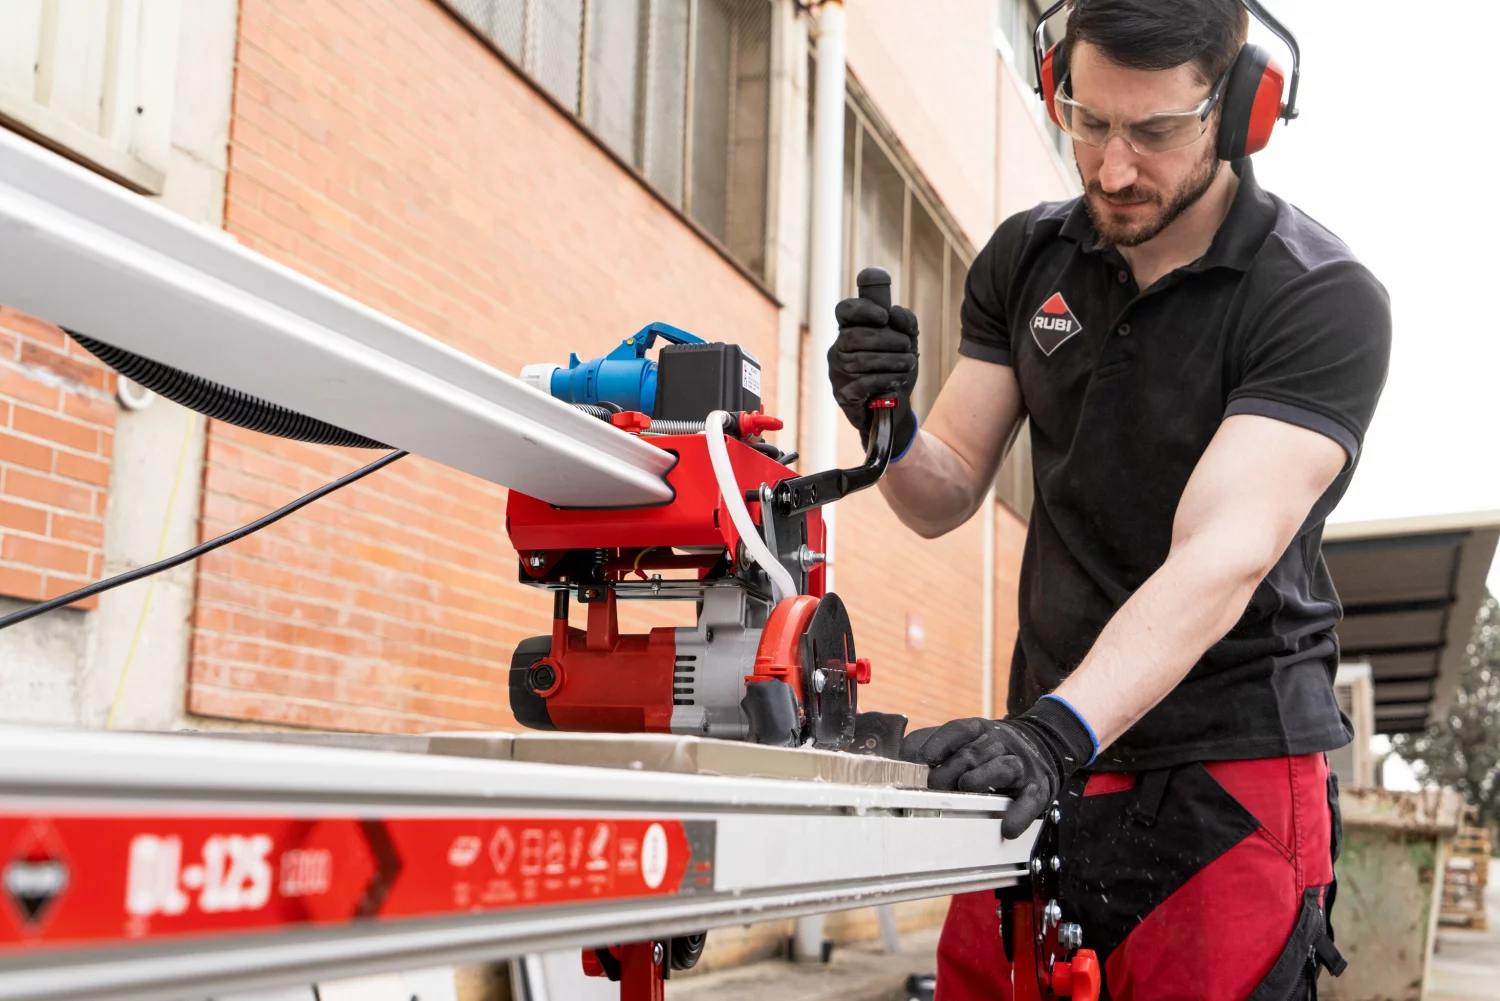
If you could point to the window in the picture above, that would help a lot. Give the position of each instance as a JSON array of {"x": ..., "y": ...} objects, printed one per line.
[
  {"x": 94, "y": 81},
  {"x": 894, "y": 220},
  {"x": 680, "y": 89},
  {"x": 1018, "y": 21}
]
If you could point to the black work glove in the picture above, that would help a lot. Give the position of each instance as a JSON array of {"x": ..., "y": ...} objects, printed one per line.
[
  {"x": 1025, "y": 757},
  {"x": 875, "y": 356}
]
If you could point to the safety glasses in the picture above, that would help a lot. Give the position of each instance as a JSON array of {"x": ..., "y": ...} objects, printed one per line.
[{"x": 1161, "y": 132}]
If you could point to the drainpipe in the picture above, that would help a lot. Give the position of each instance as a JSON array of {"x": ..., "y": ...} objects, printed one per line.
[
  {"x": 827, "y": 276},
  {"x": 826, "y": 288}
]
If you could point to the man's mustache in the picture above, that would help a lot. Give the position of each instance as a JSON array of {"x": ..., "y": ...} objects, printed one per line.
[{"x": 1129, "y": 196}]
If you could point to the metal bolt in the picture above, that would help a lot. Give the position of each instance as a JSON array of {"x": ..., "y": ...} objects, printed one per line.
[
  {"x": 657, "y": 952},
  {"x": 1070, "y": 936},
  {"x": 1055, "y": 815},
  {"x": 765, "y": 494},
  {"x": 537, "y": 561},
  {"x": 1056, "y": 864},
  {"x": 808, "y": 558},
  {"x": 1036, "y": 865},
  {"x": 1052, "y": 913},
  {"x": 820, "y": 681}
]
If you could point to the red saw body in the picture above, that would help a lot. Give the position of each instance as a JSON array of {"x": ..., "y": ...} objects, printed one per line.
[{"x": 752, "y": 669}]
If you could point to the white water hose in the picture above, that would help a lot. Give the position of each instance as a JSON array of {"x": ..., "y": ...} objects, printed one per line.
[{"x": 782, "y": 585}]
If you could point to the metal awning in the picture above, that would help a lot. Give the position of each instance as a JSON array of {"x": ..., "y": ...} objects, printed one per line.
[{"x": 1411, "y": 588}]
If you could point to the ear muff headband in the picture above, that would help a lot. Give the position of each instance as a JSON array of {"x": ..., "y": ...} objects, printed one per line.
[{"x": 1251, "y": 104}]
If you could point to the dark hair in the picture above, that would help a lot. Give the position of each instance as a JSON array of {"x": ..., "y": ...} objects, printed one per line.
[{"x": 1163, "y": 34}]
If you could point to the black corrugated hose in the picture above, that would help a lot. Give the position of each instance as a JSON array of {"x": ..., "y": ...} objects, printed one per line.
[
  {"x": 220, "y": 402},
  {"x": 232, "y": 407}
]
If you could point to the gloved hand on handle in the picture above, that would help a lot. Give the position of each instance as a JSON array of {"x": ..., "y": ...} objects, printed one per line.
[
  {"x": 1026, "y": 757},
  {"x": 875, "y": 356}
]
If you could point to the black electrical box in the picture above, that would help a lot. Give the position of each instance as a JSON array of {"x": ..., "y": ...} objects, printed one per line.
[{"x": 694, "y": 380}]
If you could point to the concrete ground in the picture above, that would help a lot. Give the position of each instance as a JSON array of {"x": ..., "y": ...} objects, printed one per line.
[
  {"x": 1466, "y": 965},
  {"x": 855, "y": 973}
]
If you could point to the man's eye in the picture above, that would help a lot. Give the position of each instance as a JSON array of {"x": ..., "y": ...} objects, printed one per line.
[{"x": 1092, "y": 123}]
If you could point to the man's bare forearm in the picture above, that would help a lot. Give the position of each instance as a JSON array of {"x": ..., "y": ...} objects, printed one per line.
[
  {"x": 1243, "y": 506},
  {"x": 1158, "y": 635},
  {"x": 932, "y": 490},
  {"x": 947, "y": 472}
]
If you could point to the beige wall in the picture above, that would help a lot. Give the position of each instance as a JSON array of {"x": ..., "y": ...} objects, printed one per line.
[
  {"x": 1028, "y": 169},
  {"x": 929, "y": 65}
]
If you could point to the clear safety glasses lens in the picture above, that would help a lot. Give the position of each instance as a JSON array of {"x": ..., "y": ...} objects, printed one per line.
[{"x": 1159, "y": 133}]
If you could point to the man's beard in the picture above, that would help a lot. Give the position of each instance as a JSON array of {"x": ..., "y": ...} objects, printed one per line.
[{"x": 1137, "y": 232}]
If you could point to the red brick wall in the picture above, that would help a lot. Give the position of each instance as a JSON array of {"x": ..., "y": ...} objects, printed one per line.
[
  {"x": 379, "y": 148},
  {"x": 57, "y": 420}
]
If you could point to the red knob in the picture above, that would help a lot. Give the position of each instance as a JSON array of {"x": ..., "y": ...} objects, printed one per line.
[
  {"x": 1079, "y": 979},
  {"x": 859, "y": 671},
  {"x": 753, "y": 425},
  {"x": 631, "y": 420}
]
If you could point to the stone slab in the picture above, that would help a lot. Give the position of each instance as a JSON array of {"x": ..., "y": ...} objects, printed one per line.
[
  {"x": 707, "y": 756},
  {"x": 657, "y": 752}
]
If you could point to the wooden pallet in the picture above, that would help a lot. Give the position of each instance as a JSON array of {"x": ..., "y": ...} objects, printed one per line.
[{"x": 1464, "y": 880}]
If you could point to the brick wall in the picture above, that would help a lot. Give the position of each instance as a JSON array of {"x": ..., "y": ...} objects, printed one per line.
[
  {"x": 379, "y": 148},
  {"x": 57, "y": 419}
]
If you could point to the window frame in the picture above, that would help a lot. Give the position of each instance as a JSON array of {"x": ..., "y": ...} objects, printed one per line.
[
  {"x": 1020, "y": 61},
  {"x": 577, "y": 115},
  {"x": 918, "y": 191},
  {"x": 138, "y": 73}
]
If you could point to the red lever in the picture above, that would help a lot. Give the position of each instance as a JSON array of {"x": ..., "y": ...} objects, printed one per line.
[
  {"x": 631, "y": 420},
  {"x": 1078, "y": 979},
  {"x": 752, "y": 425},
  {"x": 884, "y": 403}
]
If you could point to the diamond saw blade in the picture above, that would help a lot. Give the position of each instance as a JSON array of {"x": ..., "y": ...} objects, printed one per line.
[{"x": 829, "y": 697}]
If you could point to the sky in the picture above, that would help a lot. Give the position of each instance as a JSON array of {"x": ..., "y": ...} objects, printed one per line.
[{"x": 1393, "y": 154}]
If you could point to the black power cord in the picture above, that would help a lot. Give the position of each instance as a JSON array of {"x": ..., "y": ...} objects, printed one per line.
[{"x": 109, "y": 583}]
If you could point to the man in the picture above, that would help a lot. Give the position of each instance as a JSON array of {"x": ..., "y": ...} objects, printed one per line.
[{"x": 1199, "y": 362}]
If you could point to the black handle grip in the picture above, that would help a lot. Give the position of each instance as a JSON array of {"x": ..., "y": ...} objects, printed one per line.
[{"x": 875, "y": 285}]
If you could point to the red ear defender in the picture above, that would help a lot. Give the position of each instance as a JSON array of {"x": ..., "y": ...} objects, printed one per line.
[
  {"x": 1054, "y": 71},
  {"x": 1251, "y": 104},
  {"x": 1267, "y": 109}
]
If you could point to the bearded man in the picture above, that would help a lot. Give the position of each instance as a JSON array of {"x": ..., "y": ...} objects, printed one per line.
[{"x": 1198, "y": 362}]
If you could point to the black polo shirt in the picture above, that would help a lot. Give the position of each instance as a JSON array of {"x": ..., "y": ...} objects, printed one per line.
[{"x": 1124, "y": 388}]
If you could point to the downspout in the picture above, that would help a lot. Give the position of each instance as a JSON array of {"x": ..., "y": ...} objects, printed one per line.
[
  {"x": 827, "y": 271},
  {"x": 826, "y": 285}
]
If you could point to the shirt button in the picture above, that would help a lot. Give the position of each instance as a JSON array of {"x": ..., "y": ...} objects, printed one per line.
[
  {"x": 1123, "y": 277},
  {"x": 1124, "y": 330}
]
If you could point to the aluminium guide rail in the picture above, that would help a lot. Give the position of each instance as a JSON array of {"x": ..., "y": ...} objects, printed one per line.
[
  {"x": 84, "y": 253},
  {"x": 160, "y": 866}
]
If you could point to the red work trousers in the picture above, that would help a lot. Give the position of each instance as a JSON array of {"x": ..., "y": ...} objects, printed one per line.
[{"x": 1203, "y": 882}]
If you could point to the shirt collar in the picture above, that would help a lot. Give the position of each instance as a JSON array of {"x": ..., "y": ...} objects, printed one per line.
[{"x": 1251, "y": 218}]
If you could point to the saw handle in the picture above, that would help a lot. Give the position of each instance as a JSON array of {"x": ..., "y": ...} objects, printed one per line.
[{"x": 874, "y": 284}]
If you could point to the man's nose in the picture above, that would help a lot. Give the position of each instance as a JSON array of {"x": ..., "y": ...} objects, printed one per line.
[{"x": 1119, "y": 170}]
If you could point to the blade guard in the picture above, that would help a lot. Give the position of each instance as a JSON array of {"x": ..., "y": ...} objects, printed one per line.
[{"x": 808, "y": 645}]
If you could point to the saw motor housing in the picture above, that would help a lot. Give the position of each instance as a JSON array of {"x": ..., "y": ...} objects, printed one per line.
[{"x": 772, "y": 668}]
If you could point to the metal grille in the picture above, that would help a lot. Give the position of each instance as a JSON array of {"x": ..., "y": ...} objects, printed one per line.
[{"x": 678, "y": 88}]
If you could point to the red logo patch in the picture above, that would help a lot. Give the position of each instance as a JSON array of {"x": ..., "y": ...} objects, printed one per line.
[{"x": 1053, "y": 324}]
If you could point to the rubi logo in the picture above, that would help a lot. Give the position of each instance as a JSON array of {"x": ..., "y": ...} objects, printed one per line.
[{"x": 1053, "y": 324}]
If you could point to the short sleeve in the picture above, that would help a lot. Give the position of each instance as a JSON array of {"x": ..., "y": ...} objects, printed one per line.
[
  {"x": 1317, "y": 356},
  {"x": 984, "y": 316}
]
